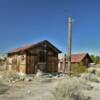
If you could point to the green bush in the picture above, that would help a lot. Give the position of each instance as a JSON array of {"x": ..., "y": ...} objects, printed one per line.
[{"x": 76, "y": 69}]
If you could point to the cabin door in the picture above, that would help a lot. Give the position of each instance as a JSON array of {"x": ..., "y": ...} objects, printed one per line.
[
  {"x": 30, "y": 64},
  {"x": 42, "y": 60}
]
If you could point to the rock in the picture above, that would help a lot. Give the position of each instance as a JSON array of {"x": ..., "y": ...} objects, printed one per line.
[
  {"x": 22, "y": 78},
  {"x": 39, "y": 73},
  {"x": 10, "y": 80},
  {"x": 28, "y": 91},
  {"x": 55, "y": 77},
  {"x": 50, "y": 76},
  {"x": 14, "y": 81},
  {"x": 1, "y": 76},
  {"x": 28, "y": 79}
]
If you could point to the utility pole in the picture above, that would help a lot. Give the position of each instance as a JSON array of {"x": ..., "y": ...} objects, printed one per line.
[{"x": 69, "y": 43}]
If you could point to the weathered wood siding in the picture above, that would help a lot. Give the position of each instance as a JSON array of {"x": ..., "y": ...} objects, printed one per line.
[
  {"x": 62, "y": 67},
  {"x": 28, "y": 61},
  {"x": 32, "y": 61},
  {"x": 86, "y": 61},
  {"x": 52, "y": 64},
  {"x": 17, "y": 62}
]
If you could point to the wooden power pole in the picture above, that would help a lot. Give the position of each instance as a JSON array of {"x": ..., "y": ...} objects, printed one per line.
[{"x": 69, "y": 43}]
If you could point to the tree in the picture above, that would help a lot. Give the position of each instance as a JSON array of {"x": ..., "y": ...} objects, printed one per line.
[
  {"x": 93, "y": 58},
  {"x": 96, "y": 59}
]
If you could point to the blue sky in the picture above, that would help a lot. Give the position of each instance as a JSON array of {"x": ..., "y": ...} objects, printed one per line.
[{"x": 28, "y": 21}]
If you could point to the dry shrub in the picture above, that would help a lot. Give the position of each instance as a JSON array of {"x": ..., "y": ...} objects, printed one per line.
[
  {"x": 91, "y": 70},
  {"x": 94, "y": 70},
  {"x": 98, "y": 73},
  {"x": 70, "y": 89},
  {"x": 78, "y": 69},
  {"x": 9, "y": 75},
  {"x": 90, "y": 77}
]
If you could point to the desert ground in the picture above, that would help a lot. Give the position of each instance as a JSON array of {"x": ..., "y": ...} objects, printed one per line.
[{"x": 86, "y": 86}]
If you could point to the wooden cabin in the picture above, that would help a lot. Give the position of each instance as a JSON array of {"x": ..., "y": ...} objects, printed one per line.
[
  {"x": 28, "y": 59},
  {"x": 76, "y": 60}
]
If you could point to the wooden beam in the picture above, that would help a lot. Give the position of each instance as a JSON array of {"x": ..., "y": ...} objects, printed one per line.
[{"x": 69, "y": 43}]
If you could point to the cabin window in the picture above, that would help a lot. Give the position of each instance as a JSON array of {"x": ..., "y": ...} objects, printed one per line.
[{"x": 42, "y": 56}]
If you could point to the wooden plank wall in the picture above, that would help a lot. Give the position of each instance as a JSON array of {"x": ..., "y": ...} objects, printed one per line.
[{"x": 52, "y": 64}]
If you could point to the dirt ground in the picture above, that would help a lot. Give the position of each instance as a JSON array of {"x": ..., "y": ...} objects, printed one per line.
[
  {"x": 24, "y": 90},
  {"x": 85, "y": 87}
]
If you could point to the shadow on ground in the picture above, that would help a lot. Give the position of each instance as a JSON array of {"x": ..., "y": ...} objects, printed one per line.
[{"x": 3, "y": 88}]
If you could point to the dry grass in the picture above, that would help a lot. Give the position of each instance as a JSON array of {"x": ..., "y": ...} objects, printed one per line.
[
  {"x": 63, "y": 88},
  {"x": 71, "y": 89}
]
